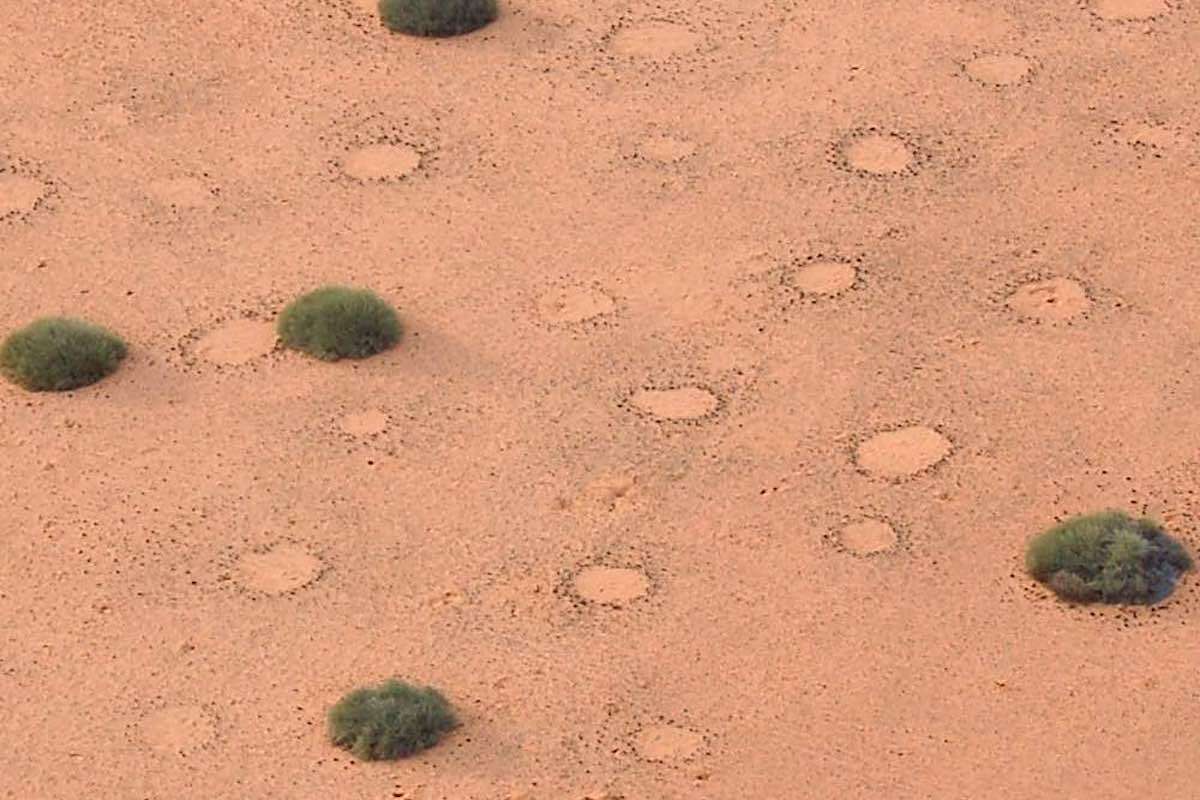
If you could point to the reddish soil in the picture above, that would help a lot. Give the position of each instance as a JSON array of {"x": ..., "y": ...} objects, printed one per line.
[{"x": 746, "y": 345}]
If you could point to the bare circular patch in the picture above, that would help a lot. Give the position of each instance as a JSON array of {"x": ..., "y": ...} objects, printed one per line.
[
  {"x": 667, "y": 743},
  {"x": 867, "y": 537},
  {"x": 1130, "y": 9},
  {"x": 20, "y": 194},
  {"x": 655, "y": 39},
  {"x": 381, "y": 162},
  {"x": 999, "y": 69},
  {"x": 179, "y": 729},
  {"x": 279, "y": 569},
  {"x": 574, "y": 304},
  {"x": 1053, "y": 300},
  {"x": 666, "y": 149},
  {"x": 824, "y": 276},
  {"x": 364, "y": 423},
  {"x": 236, "y": 342},
  {"x": 611, "y": 584},
  {"x": 684, "y": 402},
  {"x": 878, "y": 153},
  {"x": 904, "y": 452},
  {"x": 184, "y": 192}
]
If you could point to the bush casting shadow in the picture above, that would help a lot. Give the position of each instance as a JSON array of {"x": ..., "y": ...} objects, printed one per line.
[
  {"x": 436, "y": 17},
  {"x": 389, "y": 721},
  {"x": 338, "y": 322},
  {"x": 1109, "y": 557},
  {"x": 56, "y": 354}
]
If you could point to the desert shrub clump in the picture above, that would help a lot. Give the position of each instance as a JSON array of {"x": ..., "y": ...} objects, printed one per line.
[
  {"x": 436, "y": 17},
  {"x": 1108, "y": 557},
  {"x": 57, "y": 354},
  {"x": 337, "y": 322},
  {"x": 389, "y": 721}
]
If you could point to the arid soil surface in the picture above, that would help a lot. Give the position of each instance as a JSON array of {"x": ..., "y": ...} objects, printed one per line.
[{"x": 746, "y": 345}]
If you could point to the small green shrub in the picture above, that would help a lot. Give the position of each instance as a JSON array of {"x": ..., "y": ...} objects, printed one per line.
[
  {"x": 339, "y": 322},
  {"x": 56, "y": 354},
  {"x": 1109, "y": 557},
  {"x": 436, "y": 17},
  {"x": 389, "y": 721}
]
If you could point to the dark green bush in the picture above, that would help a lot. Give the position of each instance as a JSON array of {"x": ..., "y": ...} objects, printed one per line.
[
  {"x": 1109, "y": 557},
  {"x": 339, "y": 322},
  {"x": 391, "y": 720},
  {"x": 56, "y": 354},
  {"x": 436, "y": 17}
]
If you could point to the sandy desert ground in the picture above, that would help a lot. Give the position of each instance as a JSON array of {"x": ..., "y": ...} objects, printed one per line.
[{"x": 746, "y": 345}]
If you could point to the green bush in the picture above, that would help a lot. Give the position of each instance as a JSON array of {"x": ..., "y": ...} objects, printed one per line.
[
  {"x": 57, "y": 354},
  {"x": 1109, "y": 557},
  {"x": 391, "y": 720},
  {"x": 436, "y": 17},
  {"x": 339, "y": 322}
]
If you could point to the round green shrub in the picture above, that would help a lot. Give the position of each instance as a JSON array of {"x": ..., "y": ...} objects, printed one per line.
[
  {"x": 389, "y": 721},
  {"x": 436, "y": 17},
  {"x": 56, "y": 354},
  {"x": 339, "y": 322},
  {"x": 1108, "y": 557}
]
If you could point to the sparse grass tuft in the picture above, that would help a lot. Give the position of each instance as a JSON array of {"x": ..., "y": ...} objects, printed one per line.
[
  {"x": 1108, "y": 557},
  {"x": 57, "y": 354},
  {"x": 389, "y": 721},
  {"x": 436, "y": 17},
  {"x": 337, "y": 322}
]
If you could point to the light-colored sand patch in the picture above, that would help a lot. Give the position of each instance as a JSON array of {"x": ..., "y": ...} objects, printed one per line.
[
  {"x": 878, "y": 154},
  {"x": 1141, "y": 133},
  {"x": 369, "y": 6},
  {"x": 182, "y": 193},
  {"x": 236, "y": 342},
  {"x": 381, "y": 162},
  {"x": 19, "y": 194},
  {"x": 1130, "y": 9},
  {"x": 179, "y": 729},
  {"x": 824, "y": 277},
  {"x": 657, "y": 39},
  {"x": 611, "y": 584},
  {"x": 685, "y": 402},
  {"x": 281, "y": 569},
  {"x": 1000, "y": 69},
  {"x": 666, "y": 149},
  {"x": 668, "y": 743},
  {"x": 574, "y": 304},
  {"x": 364, "y": 423},
  {"x": 903, "y": 453},
  {"x": 867, "y": 537},
  {"x": 609, "y": 488},
  {"x": 1053, "y": 300}
]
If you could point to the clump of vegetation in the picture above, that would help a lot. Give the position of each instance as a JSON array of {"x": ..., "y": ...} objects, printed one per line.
[
  {"x": 337, "y": 322},
  {"x": 57, "y": 354},
  {"x": 389, "y": 721},
  {"x": 436, "y": 17},
  {"x": 1108, "y": 557}
]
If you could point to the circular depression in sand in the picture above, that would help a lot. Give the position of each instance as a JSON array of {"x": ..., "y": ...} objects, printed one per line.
[
  {"x": 684, "y": 402},
  {"x": 19, "y": 194},
  {"x": 381, "y": 162},
  {"x": 1130, "y": 9},
  {"x": 878, "y": 153},
  {"x": 904, "y": 452},
  {"x": 611, "y": 584},
  {"x": 824, "y": 276},
  {"x": 236, "y": 342},
  {"x": 1053, "y": 300},
  {"x": 666, "y": 149},
  {"x": 574, "y": 304},
  {"x": 667, "y": 743},
  {"x": 280, "y": 569},
  {"x": 181, "y": 193},
  {"x": 1000, "y": 69},
  {"x": 364, "y": 423},
  {"x": 868, "y": 536},
  {"x": 179, "y": 729},
  {"x": 656, "y": 39}
]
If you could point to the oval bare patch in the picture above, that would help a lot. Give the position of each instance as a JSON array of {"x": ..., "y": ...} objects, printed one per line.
[
  {"x": 999, "y": 69},
  {"x": 574, "y": 304},
  {"x": 279, "y": 569},
  {"x": 179, "y": 729},
  {"x": 656, "y": 39},
  {"x": 19, "y": 194},
  {"x": 878, "y": 154},
  {"x": 903, "y": 453},
  {"x": 611, "y": 584},
  {"x": 824, "y": 277},
  {"x": 381, "y": 162},
  {"x": 1053, "y": 300},
  {"x": 667, "y": 743},
  {"x": 867, "y": 537},
  {"x": 685, "y": 402},
  {"x": 236, "y": 342}
]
